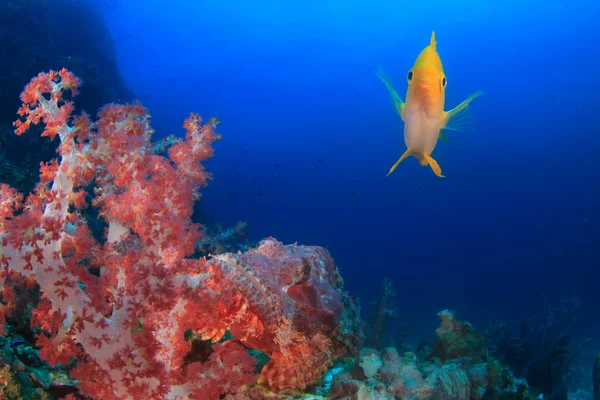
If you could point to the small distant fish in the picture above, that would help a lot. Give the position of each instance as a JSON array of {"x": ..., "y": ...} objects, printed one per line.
[
  {"x": 226, "y": 196},
  {"x": 356, "y": 194},
  {"x": 423, "y": 113},
  {"x": 214, "y": 122},
  {"x": 276, "y": 165},
  {"x": 319, "y": 160}
]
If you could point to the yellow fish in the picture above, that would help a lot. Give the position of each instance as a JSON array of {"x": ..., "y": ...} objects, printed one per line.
[{"x": 423, "y": 113}]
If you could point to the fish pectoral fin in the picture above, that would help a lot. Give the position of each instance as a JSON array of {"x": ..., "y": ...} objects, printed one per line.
[
  {"x": 407, "y": 153},
  {"x": 443, "y": 136},
  {"x": 433, "y": 164},
  {"x": 394, "y": 96},
  {"x": 458, "y": 118}
]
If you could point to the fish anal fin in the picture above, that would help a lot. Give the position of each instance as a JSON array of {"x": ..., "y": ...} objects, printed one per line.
[
  {"x": 433, "y": 164},
  {"x": 458, "y": 119},
  {"x": 407, "y": 153}
]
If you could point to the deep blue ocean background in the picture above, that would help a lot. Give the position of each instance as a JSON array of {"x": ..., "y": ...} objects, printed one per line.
[{"x": 309, "y": 135}]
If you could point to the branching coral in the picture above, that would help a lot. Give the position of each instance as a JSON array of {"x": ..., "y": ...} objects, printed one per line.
[
  {"x": 384, "y": 311},
  {"x": 125, "y": 326}
]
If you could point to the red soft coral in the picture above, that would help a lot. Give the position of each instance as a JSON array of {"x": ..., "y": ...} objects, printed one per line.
[
  {"x": 124, "y": 326},
  {"x": 228, "y": 371}
]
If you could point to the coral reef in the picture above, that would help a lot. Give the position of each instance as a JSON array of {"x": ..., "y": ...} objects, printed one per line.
[
  {"x": 384, "y": 311},
  {"x": 219, "y": 240},
  {"x": 124, "y": 331},
  {"x": 458, "y": 368},
  {"x": 285, "y": 301},
  {"x": 542, "y": 352},
  {"x": 597, "y": 378},
  {"x": 457, "y": 339},
  {"x": 40, "y": 35}
]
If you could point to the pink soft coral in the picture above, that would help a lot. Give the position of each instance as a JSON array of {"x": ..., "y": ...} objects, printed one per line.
[{"x": 125, "y": 327}]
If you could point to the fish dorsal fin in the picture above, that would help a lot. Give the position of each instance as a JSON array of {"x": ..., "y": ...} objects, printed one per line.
[{"x": 432, "y": 41}]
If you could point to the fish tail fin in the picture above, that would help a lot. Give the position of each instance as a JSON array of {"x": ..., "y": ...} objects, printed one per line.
[
  {"x": 394, "y": 96},
  {"x": 432, "y": 41},
  {"x": 407, "y": 153},
  {"x": 433, "y": 164}
]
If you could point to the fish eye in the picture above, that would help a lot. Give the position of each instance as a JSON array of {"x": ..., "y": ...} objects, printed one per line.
[
  {"x": 410, "y": 75},
  {"x": 444, "y": 82}
]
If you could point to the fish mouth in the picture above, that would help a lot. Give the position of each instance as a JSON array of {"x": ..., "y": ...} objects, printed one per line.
[
  {"x": 425, "y": 90},
  {"x": 428, "y": 95}
]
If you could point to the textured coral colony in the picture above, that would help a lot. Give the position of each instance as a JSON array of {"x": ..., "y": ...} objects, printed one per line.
[{"x": 134, "y": 310}]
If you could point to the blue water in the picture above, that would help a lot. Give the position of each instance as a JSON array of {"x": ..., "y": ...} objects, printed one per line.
[{"x": 309, "y": 135}]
